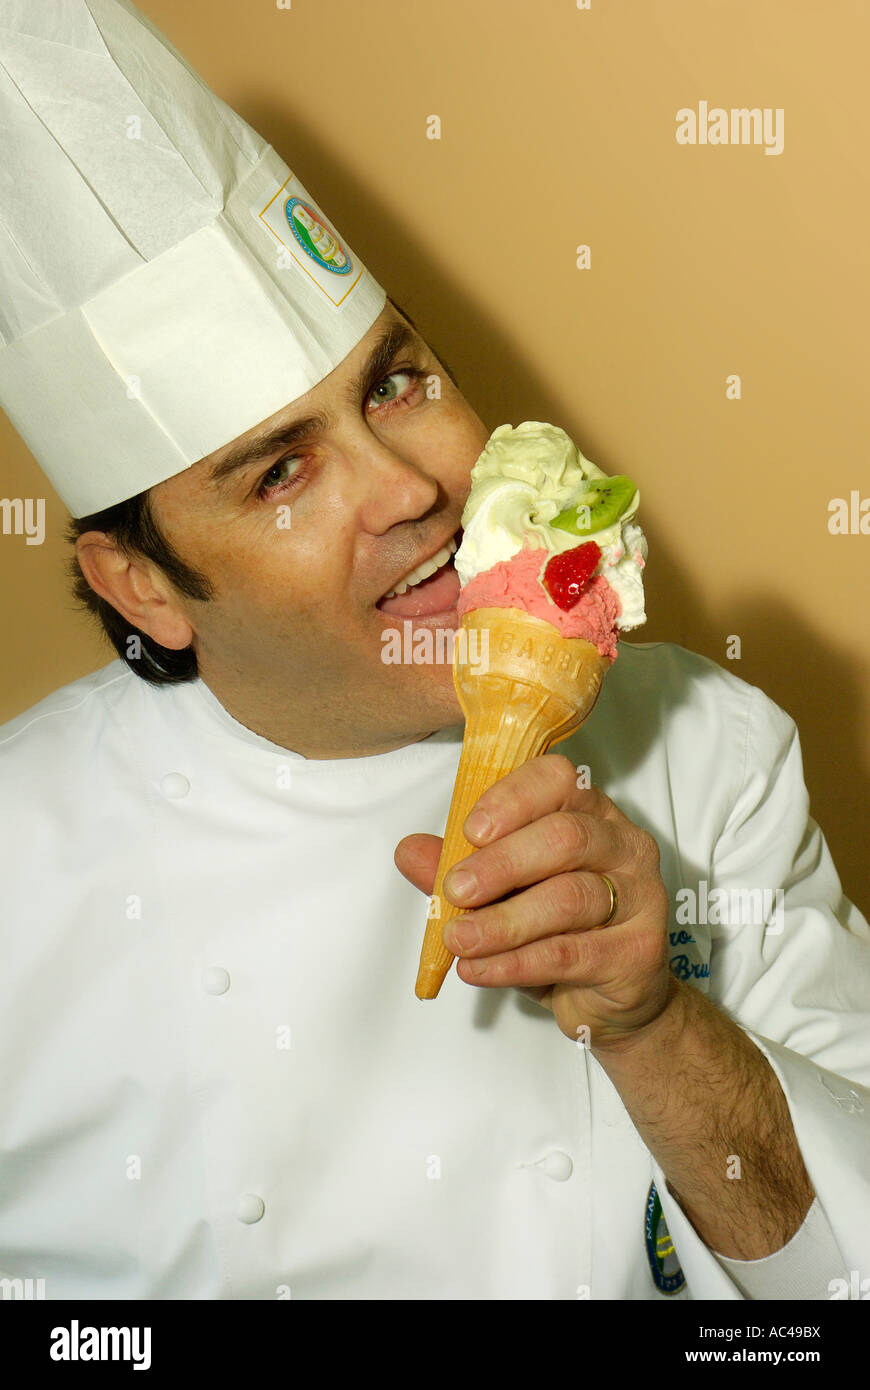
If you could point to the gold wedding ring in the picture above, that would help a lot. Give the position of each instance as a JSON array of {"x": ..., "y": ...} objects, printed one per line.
[{"x": 614, "y": 902}]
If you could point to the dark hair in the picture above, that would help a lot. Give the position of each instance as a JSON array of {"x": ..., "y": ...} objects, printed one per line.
[{"x": 131, "y": 525}]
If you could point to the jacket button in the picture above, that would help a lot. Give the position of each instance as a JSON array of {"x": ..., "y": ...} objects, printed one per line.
[
  {"x": 215, "y": 980},
  {"x": 174, "y": 785},
  {"x": 556, "y": 1165},
  {"x": 250, "y": 1208}
]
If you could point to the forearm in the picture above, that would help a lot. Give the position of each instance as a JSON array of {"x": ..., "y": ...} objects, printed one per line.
[{"x": 710, "y": 1109}]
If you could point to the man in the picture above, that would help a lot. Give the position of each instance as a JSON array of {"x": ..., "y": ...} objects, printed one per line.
[{"x": 218, "y": 1082}]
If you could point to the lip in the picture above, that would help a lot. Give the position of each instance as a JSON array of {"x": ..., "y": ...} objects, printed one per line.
[
  {"x": 446, "y": 618},
  {"x": 421, "y": 560}
]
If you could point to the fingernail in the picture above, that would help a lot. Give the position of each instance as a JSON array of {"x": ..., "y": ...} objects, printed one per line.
[
  {"x": 460, "y": 883},
  {"x": 465, "y": 934},
  {"x": 479, "y": 824}
]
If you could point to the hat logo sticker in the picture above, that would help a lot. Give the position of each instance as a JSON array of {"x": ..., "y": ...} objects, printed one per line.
[{"x": 315, "y": 239}]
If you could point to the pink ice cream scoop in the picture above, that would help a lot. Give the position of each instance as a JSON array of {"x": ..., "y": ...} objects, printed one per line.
[{"x": 561, "y": 589}]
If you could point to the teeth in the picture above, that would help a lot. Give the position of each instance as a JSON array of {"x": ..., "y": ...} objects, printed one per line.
[{"x": 423, "y": 571}]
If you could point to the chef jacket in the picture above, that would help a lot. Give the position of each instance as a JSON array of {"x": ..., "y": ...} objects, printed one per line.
[{"x": 217, "y": 1082}]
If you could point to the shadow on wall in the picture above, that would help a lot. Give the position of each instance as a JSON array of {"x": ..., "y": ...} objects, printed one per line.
[{"x": 815, "y": 684}]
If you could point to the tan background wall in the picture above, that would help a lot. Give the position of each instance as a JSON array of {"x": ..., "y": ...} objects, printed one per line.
[{"x": 558, "y": 128}]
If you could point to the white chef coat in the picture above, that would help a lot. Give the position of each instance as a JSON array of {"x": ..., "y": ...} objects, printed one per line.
[{"x": 217, "y": 1082}]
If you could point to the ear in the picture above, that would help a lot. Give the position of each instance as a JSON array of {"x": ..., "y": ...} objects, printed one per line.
[{"x": 135, "y": 588}]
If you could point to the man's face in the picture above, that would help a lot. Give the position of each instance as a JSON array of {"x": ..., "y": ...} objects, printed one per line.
[{"x": 372, "y": 488}]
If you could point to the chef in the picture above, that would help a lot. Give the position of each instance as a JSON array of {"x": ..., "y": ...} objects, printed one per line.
[{"x": 217, "y": 1082}]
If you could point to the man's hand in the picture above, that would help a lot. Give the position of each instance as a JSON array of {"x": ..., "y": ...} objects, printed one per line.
[
  {"x": 537, "y": 897},
  {"x": 696, "y": 1087}
]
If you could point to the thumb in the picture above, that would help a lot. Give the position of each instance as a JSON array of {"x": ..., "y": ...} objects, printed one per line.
[{"x": 417, "y": 858}]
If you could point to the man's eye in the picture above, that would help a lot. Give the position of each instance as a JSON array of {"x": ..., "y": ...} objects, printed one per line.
[
  {"x": 385, "y": 392},
  {"x": 388, "y": 392},
  {"x": 271, "y": 482}
]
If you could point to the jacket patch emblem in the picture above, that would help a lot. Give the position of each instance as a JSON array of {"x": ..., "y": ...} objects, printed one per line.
[{"x": 663, "y": 1262}]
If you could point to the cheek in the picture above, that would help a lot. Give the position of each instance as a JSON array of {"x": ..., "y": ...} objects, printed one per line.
[
  {"x": 279, "y": 570},
  {"x": 261, "y": 570},
  {"x": 453, "y": 440},
  {"x": 468, "y": 435}
]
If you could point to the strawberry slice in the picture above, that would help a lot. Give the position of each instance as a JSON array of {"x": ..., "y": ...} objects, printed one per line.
[{"x": 568, "y": 574}]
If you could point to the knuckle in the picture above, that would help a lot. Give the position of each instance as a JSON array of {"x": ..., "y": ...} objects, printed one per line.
[
  {"x": 660, "y": 901},
  {"x": 565, "y": 835},
  {"x": 560, "y": 901},
  {"x": 649, "y": 949},
  {"x": 647, "y": 900},
  {"x": 651, "y": 901},
  {"x": 572, "y": 897},
  {"x": 563, "y": 769},
  {"x": 633, "y": 953},
  {"x": 603, "y": 803},
  {"x": 596, "y": 801},
  {"x": 562, "y": 953},
  {"x": 495, "y": 928},
  {"x": 648, "y": 850}
]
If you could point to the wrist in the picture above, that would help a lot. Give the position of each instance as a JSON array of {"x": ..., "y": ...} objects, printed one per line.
[{"x": 658, "y": 1031}]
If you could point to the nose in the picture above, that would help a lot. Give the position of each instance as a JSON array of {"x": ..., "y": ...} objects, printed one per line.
[{"x": 393, "y": 487}]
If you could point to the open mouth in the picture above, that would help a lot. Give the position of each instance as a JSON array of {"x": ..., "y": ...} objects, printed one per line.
[{"x": 432, "y": 588}]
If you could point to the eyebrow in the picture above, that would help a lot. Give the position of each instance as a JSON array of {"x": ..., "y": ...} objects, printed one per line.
[{"x": 393, "y": 340}]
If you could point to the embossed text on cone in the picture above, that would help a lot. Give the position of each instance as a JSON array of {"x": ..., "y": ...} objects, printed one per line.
[{"x": 534, "y": 690}]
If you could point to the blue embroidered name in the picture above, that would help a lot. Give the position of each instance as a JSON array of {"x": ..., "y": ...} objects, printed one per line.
[{"x": 683, "y": 968}]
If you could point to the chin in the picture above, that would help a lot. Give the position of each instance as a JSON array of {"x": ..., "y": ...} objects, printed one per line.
[{"x": 428, "y": 699}]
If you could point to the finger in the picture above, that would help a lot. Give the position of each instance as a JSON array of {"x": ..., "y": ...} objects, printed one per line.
[
  {"x": 599, "y": 958},
  {"x": 545, "y": 784},
  {"x": 417, "y": 858},
  {"x": 574, "y": 958},
  {"x": 565, "y": 903},
  {"x": 558, "y": 843}
]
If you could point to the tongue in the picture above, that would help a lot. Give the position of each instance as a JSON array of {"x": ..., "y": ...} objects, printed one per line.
[{"x": 436, "y": 594}]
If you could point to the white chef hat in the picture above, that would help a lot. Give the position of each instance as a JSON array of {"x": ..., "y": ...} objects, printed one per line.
[{"x": 166, "y": 282}]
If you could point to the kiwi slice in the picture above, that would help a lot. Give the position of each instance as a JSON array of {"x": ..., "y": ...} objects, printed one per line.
[{"x": 602, "y": 504}]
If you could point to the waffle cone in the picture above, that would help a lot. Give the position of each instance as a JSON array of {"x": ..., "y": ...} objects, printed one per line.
[{"x": 535, "y": 690}]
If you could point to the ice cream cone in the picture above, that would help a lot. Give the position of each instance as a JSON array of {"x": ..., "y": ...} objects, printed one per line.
[{"x": 535, "y": 688}]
